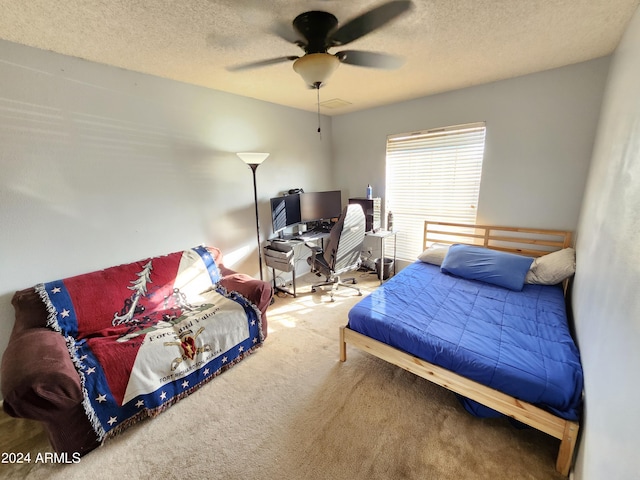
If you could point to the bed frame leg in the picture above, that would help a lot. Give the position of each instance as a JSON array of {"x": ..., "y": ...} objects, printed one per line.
[
  {"x": 567, "y": 446},
  {"x": 343, "y": 346}
]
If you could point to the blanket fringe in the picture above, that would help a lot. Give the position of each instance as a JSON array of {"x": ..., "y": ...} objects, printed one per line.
[
  {"x": 154, "y": 412},
  {"x": 224, "y": 292},
  {"x": 52, "y": 322},
  {"x": 52, "y": 313}
]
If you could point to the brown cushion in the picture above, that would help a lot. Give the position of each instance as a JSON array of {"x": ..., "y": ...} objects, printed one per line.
[
  {"x": 38, "y": 377},
  {"x": 257, "y": 291},
  {"x": 30, "y": 310}
]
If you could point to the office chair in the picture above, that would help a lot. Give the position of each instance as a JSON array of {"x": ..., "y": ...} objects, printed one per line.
[{"x": 342, "y": 253}]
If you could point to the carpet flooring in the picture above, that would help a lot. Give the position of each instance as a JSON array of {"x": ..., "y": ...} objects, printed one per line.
[{"x": 293, "y": 411}]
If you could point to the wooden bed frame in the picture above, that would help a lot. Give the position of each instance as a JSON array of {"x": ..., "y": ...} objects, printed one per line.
[{"x": 526, "y": 241}]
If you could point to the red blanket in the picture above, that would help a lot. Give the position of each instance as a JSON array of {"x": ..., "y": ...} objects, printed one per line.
[{"x": 146, "y": 334}]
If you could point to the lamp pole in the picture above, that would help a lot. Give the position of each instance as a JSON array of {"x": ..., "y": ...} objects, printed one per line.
[
  {"x": 254, "y": 159},
  {"x": 254, "y": 167}
]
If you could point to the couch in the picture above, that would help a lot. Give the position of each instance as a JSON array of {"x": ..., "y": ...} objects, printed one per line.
[{"x": 47, "y": 374}]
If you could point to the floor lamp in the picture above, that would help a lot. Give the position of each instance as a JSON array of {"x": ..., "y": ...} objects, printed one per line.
[{"x": 254, "y": 159}]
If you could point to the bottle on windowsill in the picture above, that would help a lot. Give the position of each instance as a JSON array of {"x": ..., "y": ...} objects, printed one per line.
[
  {"x": 369, "y": 192},
  {"x": 390, "y": 221}
]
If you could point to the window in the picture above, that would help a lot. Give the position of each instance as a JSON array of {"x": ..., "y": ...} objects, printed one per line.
[{"x": 432, "y": 174}]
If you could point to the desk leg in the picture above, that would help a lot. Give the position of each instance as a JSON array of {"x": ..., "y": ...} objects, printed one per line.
[
  {"x": 382, "y": 252},
  {"x": 275, "y": 286},
  {"x": 381, "y": 272},
  {"x": 395, "y": 238},
  {"x": 284, "y": 290},
  {"x": 293, "y": 281}
]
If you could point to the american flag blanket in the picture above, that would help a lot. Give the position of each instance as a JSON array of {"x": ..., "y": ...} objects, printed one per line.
[{"x": 146, "y": 334}]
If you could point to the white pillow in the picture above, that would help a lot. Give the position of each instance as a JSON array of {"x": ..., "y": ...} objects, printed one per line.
[
  {"x": 552, "y": 268},
  {"x": 434, "y": 254}
]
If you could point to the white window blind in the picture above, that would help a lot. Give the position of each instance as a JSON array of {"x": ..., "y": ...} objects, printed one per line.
[{"x": 435, "y": 175}]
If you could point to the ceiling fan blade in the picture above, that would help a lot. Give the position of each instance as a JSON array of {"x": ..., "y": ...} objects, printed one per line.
[
  {"x": 261, "y": 63},
  {"x": 368, "y": 22},
  {"x": 370, "y": 59}
]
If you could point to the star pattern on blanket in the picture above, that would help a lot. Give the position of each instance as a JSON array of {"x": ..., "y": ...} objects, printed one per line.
[
  {"x": 91, "y": 370},
  {"x": 55, "y": 290},
  {"x": 140, "y": 403},
  {"x": 65, "y": 313},
  {"x": 185, "y": 384},
  {"x": 112, "y": 420},
  {"x": 101, "y": 398}
]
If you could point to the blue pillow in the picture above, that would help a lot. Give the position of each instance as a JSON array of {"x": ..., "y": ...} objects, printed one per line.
[{"x": 506, "y": 270}]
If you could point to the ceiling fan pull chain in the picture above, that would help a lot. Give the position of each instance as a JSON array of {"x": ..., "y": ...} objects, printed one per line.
[{"x": 318, "y": 102}]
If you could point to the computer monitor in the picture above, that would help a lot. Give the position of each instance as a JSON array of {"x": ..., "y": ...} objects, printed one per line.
[
  {"x": 285, "y": 212},
  {"x": 317, "y": 206}
]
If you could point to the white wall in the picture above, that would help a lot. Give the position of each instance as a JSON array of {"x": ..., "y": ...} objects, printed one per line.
[
  {"x": 540, "y": 132},
  {"x": 606, "y": 292},
  {"x": 101, "y": 166}
]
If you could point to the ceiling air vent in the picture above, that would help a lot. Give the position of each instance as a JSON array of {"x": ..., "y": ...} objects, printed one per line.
[{"x": 334, "y": 103}]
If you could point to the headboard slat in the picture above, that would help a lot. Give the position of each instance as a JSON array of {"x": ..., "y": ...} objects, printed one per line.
[{"x": 532, "y": 242}]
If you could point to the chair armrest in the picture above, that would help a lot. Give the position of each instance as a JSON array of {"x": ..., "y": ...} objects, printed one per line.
[
  {"x": 315, "y": 249},
  {"x": 38, "y": 377},
  {"x": 315, "y": 252}
]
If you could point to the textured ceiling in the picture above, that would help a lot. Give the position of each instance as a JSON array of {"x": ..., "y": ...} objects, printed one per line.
[{"x": 447, "y": 44}]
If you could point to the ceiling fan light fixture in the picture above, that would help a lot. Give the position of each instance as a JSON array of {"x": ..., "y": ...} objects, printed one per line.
[{"x": 316, "y": 68}]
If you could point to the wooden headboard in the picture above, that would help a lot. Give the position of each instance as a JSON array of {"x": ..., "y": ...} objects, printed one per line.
[{"x": 531, "y": 242}]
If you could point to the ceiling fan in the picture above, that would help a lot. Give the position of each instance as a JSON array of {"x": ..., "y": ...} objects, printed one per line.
[{"x": 317, "y": 31}]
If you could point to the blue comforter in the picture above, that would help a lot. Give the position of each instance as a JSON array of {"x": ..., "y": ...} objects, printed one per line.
[{"x": 515, "y": 342}]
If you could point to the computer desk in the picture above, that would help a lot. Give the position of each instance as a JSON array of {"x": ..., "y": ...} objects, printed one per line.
[{"x": 282, "y": 254}]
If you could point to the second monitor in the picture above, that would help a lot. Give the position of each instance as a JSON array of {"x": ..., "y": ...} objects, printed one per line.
[{"x": 318, "y": 206}]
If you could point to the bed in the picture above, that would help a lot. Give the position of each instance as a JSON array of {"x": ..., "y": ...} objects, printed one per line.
[{"x": 504, "y": 349}]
